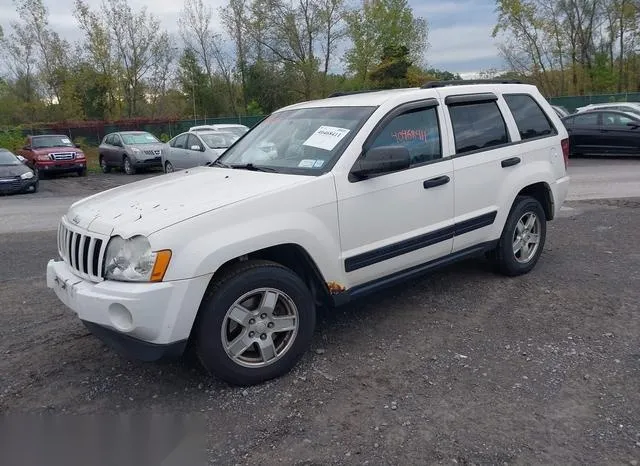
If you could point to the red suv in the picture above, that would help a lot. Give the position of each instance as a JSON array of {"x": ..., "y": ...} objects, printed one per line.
[{"x": 53, "y": 153}]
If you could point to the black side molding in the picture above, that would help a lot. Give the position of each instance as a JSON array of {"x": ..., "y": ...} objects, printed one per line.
[
  {"x": 403, "y": 275},
  {"x": 418, "y": 242}
]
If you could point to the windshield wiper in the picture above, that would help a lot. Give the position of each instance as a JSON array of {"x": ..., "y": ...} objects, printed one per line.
[
  {"x": 218, "y": 163},
  {"x": 252, "y": 167}
]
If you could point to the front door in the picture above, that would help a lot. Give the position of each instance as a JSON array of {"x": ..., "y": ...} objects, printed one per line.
[
  {"x": 618, "y": 136},
  {"x": 398, "y": 220}
]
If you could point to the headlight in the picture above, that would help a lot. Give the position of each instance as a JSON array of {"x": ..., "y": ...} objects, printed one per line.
[
  {"x": 135, "y": 150},
  {"x": 132, "y": 260},
  {"x": 27, "y": 176}
]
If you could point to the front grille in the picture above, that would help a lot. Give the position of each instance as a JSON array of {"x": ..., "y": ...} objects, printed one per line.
[
  {"x": 82, "y": 252},
  {"x": 63, "y": 156},
  {"x": 152, "y": 152}
]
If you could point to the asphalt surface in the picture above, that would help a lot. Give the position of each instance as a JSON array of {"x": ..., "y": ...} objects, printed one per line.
[{"x": 462, "y": 366}]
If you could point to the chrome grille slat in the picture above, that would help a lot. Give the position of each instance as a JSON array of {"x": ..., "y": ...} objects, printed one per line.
[{"x": 82, "y": 251}]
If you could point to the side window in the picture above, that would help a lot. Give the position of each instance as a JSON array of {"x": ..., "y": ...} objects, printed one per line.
[
  {"x": 116, "y": 140},
  {"x": 615, "y": 119},
  {"x": 107, "y": 139},
  {"x": 477, "y": 126},
  {"x": 181, "y": 142},
  {"x": 193, "y": 141},
  {"x": 586, "y": 119},
  {"x": 418, "y": 131},
  {"x": 531, "y": 120}
]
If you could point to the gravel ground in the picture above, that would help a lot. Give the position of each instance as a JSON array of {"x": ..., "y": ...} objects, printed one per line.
[{"x": 462, "y": 366}]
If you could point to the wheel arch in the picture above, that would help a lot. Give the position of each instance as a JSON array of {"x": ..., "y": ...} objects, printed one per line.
[{"x": 541, "y": 191}]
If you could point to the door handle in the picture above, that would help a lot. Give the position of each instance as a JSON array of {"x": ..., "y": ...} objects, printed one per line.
[
  {"x": 510, "y": 162},
  {"x": 433, "y": 182}
]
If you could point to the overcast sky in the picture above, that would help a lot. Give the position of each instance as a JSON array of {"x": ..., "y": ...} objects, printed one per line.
[{"x": 460, "y": 30}]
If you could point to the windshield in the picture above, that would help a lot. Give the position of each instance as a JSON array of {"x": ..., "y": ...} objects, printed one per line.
[
  {"x": 139, "y": 138},
  {"x": 301, "y": 141},
  {"x": 7, "y": 158},
  {"x": 237, "y": 130},
  {"x": 41, "y": 142},
  {"x": 219, "y": 140}
]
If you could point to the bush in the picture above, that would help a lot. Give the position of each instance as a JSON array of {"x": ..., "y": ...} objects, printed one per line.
[
  {"x": 12, "y": 140},
  {"x": 164, "y": 137}
]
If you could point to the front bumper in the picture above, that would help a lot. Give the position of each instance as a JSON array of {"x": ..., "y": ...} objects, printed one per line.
[
  {"x": 61, "y": 166},
  {"x": 153, "y": 162},
  {"x": 17, "y": 185},
  {"x": 143, "y": 320}
]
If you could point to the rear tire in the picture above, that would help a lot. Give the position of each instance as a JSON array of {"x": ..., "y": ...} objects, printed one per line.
[
  {"x": 522, "y": 240},
  {"x": 269, "y": 330},
  {"x": 127, "y": 166},
  {"x": 103, "y": 165},
  {"x": 168, "y": 167}
]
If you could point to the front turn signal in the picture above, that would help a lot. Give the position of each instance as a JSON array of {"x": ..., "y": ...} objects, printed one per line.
[{"x": 162, "y": 264}]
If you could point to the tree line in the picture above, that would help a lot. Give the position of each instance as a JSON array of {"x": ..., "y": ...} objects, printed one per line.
[
  {"x": 572, "y": 47},
  {"x": 247, "y": 58}
]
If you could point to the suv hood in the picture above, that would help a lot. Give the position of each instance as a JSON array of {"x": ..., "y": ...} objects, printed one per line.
[
  {"x": 51, "y": 150},
  {"x": 150, "y": 205}
]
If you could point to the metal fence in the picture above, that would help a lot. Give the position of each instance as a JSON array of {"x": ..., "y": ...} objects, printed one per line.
[
  {"x": 573, "y": 102},
  {"x": 92, "y": 132}
]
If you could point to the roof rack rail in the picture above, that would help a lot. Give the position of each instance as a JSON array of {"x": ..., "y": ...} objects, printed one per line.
[
  {"x": 341, "y": 93},
  {"x": 463, "y": 82}
]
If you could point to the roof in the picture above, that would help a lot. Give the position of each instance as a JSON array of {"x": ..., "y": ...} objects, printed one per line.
[{"x": 378, "y": 98}]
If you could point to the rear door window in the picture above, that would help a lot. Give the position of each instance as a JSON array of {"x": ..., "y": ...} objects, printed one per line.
[
  {"x": 477, "y": 126},
  {"x": 586, "y": 119},
  {"x": 531, "y": 120}
]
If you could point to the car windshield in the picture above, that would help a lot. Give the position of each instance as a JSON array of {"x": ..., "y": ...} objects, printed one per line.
[
  {"x": 219, "y": 140},
  {"x": 139, "y": 138},
  {"x": 7, "y": 158},
  {"x": 41, "y": 142},
  {"x": 303, "y": 141}
]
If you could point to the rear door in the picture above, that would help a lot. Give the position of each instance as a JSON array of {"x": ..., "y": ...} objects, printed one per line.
[
  {"x": 584, "y": 133},
  {"x": 194, "y": 157},
  {"x": 481, "y": 142},
  {"x": 618, "y": 136}
]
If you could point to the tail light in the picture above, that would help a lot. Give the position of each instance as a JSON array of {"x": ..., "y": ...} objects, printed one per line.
[{"x": 565, "y": 152}]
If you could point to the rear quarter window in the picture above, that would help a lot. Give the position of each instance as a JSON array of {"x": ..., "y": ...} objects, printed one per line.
[{"x": 531, "y": 120}]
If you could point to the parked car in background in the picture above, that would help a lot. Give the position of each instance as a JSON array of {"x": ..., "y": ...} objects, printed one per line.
[
  {"x": 239, "y": 130},
  {"x": 603, "y": 132},
  {"x": 189, "y": 150},
  {"x": 130, "y": 151},
  {"x": 560, "y": 111},
  {"x": 633, "y": 107},
  {"x": 15, "y": 175},
  {"x": 53, "y": 153}
]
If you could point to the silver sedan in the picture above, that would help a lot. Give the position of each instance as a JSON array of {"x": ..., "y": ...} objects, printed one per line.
[{"x": 189, "y": 150}]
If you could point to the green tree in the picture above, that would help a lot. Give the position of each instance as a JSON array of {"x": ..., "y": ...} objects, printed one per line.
[
  {"x": 379, "y": 24},
  {"x": 392, "y": 70}
]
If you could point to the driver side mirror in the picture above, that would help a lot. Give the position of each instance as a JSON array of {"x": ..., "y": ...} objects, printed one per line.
[
  {"x": 22, "y": 159},
  {"x": 380, "y": 160}
]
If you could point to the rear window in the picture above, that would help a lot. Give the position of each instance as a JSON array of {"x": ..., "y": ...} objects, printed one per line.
[
  {"x": 477, "y": 126},
  {"x": 531, "y": 120}
]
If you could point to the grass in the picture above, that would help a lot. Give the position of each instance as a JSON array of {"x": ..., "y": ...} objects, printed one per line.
[{"x": 91, "y": 153}]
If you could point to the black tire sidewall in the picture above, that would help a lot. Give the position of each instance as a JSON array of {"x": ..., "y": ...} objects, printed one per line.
[
  {"x": 209, "y": 343},
  {"x": 506, "y": 258}
]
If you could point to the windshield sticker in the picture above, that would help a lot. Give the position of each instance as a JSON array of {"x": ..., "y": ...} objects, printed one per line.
[
  {"x": 326, "y": 137},
  {"x": 66, "y": 141},
  {"x": 306, "y": 163},
  {"x": 318, "y": 163},
  {"x": 150, "y": 138},
  {"x": 407, "y": 135}
]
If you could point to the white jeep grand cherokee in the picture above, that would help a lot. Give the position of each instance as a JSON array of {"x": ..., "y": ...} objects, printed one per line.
[{"x": 361, "y": 191}]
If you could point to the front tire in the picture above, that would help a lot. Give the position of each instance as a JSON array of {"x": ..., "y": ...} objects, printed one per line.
[
  {"x": 103, "y": 165},
  {"x": 168, "y": 167},
  {"x": 522, "y": 239},
  {"x": 82, "y": 172},
  {"x": 255, "y": 323},
  {"x": 128, "y": 166}
]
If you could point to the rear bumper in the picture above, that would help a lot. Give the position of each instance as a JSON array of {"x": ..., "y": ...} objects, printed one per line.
[{"x": 560, "y": 192}]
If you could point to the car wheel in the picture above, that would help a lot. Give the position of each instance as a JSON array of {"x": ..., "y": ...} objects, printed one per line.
[
  {"x": 168, "y": 167},
  {"x": 103, "y": 165},
  {"x": 82, "y": 172},
  {"x": 522, "y": 239},
  {"x": 255, "y": 323},
  {"x": 41, "y": 173},
  {"x": 128, "y": 166}
]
